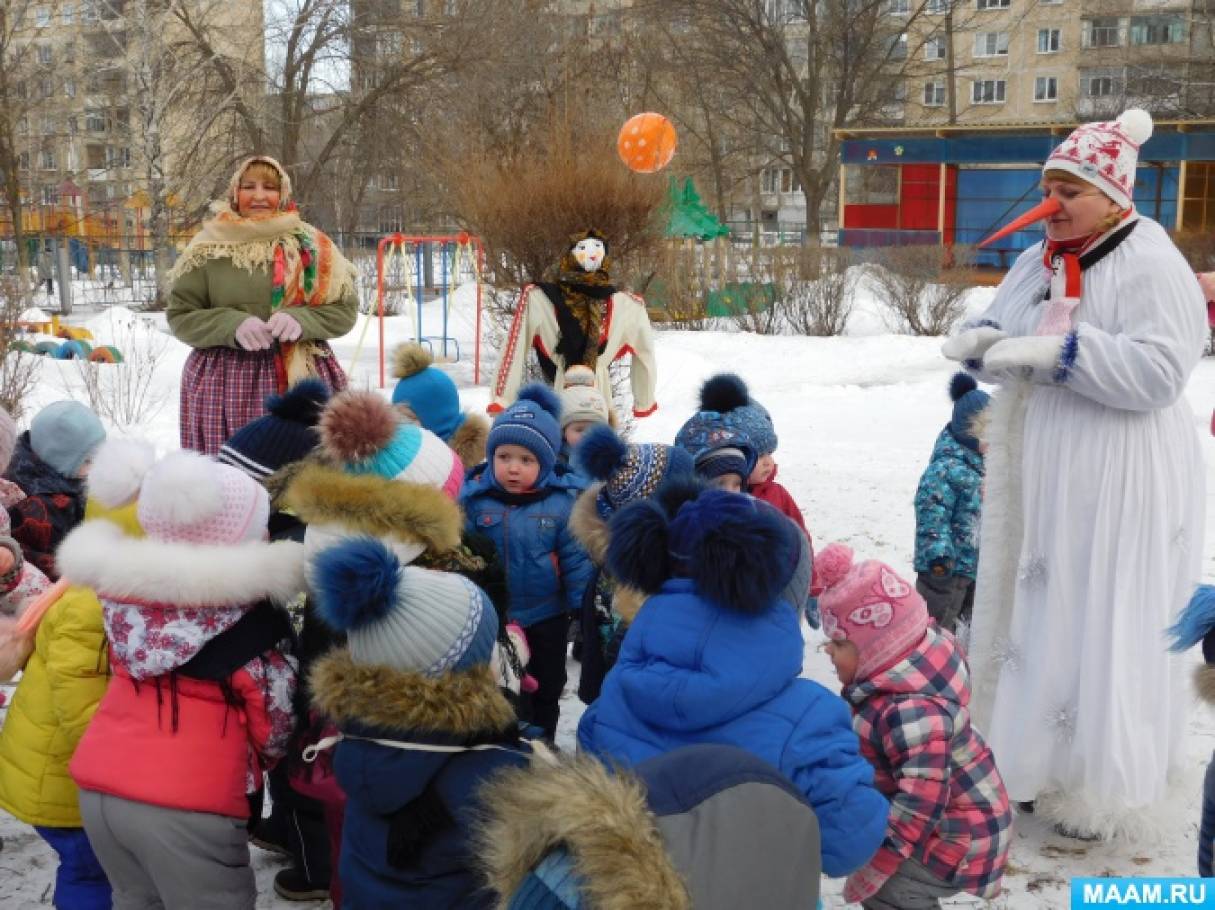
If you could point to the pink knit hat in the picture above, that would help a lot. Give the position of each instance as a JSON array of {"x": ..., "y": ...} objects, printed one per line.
[
  {"x": 869, "y": 605},
  {"x": 188, "y": 498},
  {"x": 1105, "y": 154}
]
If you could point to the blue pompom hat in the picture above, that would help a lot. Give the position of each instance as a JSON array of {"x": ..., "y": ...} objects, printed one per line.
[
  {"x": 628, "y": 471},
  {"x": 402, "y": 617},
  {"x": 728, "y": 416},
  {"x": 426, "y": 390},
  {"x": 968, "y": 402},
  {"x": 531, "y": 422},
  {"x": 285, "y": 434}
]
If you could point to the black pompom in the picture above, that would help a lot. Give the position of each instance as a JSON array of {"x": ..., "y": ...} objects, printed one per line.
[
  {"x": 302, "y": 403},
  {"x": 724, "y": 392},
  {"x": 601, "y": 452},
  {"x": 960, "y": 384}
]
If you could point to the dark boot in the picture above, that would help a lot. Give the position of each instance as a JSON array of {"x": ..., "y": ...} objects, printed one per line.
[{"x": 291, "y": 884}]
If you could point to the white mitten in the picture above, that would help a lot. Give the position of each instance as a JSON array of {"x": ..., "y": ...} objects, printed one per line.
[
  {"x": 1038, "y": 352},
  {"x": 972, "y": 344}
]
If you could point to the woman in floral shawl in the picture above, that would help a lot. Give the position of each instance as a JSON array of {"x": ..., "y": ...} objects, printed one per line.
[{"x": 256, "y": 293}]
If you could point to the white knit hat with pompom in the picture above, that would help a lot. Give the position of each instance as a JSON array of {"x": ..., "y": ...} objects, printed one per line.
[{"x": 1105, "y": 154}]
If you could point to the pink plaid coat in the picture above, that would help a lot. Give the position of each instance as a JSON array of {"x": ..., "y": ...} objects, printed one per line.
[{"x": 948, "y": 806}]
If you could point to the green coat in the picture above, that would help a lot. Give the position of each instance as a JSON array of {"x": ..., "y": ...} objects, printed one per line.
[{"x": 208, "y": 303}]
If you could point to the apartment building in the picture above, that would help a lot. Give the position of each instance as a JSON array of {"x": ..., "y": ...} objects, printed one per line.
[
  {"x": 1056, "y": 61},
  {"x": 77, "y": 128}
]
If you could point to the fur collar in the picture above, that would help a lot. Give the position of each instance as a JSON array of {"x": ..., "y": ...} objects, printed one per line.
[
  {"x": 469, "y": 439},
  {"x": 588, "y": 526},
  {"x": 459, "y": 703},
  {"x": 590, "y": 530},
  {"x": 100, "y": 556},
  {"x": 367, "y": 504},
  {"x": 601, "y": 818},
  {"x": 1204, "y": 682}
]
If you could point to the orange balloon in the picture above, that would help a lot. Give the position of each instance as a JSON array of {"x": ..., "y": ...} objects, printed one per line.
[{"x": 646, "y": 142}]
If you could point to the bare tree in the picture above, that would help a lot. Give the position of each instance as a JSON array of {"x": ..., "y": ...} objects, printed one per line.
[
  {"x": 15, "y": 57},
  {"x": 790, "y": 72}
]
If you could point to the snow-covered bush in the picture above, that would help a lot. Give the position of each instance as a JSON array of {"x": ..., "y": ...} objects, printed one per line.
[
  {"x": 125, "y": 394},
  {"x": 923, "y": 288},
  {"x": 18, "y": 368}
]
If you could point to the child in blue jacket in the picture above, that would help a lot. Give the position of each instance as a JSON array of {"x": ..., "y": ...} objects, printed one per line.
[
  {"x": 948, "y": 504},
  {"x": 521, "y": 499},
  {"x": 715, "y": 656}
]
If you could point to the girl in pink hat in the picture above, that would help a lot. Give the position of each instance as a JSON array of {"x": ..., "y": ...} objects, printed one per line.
[{"x": 949, "y": 828}]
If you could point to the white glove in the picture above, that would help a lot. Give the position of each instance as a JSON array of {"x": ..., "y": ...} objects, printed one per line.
[
  {"x": 1038, "y": 352},
  {"x": 284, "y": 326},
  {"x": 253, "y": 335},
  {"x": 973, "y": 343}
]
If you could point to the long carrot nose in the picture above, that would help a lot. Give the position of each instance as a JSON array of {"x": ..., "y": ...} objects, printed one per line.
[{"x": 1039, "y": 212}]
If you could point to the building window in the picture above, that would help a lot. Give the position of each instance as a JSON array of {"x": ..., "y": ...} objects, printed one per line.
[
  {"x": 934, "y": 49},
  {"x": 449, "y": 7},
  {"x": 49, "y": 125},
  {"x": 23, "y": 161},
  {"x": 1102, "y": 32},
  {"x": 392, "y": 221},
  {"x": 42, "y": 17},
  {"x": 46, "y": 87},
  {"x": 769, "y": 179},
  {"x": 117, "y": 157},
  {"x": 68, "y": 12},
  {"x": 69, "y": 88},
  {"x": 1046, "y": 88},
  {"x": 987, "y": 91},
  {"x": 419, "y": 9},
  {"x": 94, "y": 121},
  {"x": 934, "y": 94},
  {"x": 992, "y": 4},
  {"x": 1101, "y": 86},
  {"x": 88, "y": 11},
  {"x": 898, "y": 47},
  {"x": 46, "y": 159},
  {"x": 1157, "y": 30},
  {"x": 991, "y": 44},
  {"x": 72, "y": 124},
  {"x": 390, "y": 182},
  {"x": 388, "y": 45},
  {"x": 936, "y": 6},
  {"x": 45, "y": 56},
  {"x": 1048, "y": 40},
  {"x": 50, "y": 195},
  {"x": 898, "y": 7}
]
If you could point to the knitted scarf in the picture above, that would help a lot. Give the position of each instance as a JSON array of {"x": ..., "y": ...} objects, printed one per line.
[{"x": 578, "y": 299}]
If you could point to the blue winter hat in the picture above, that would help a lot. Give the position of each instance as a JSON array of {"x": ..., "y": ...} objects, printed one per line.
[
  {"x": 554, "y": 884},
  {"x": 727, "y": 417},
  {"x": 402, "y": 617},
  {"x": 426, "y": 390},
  {"x": 531, "y": 422},
  {"x": 65, "y": 435},
  {"x": 286, "y": 434},
  {"x": 714, "y": 463},
  {"x": 968, "y": 402},
  {"x": 628, "y": 471}
]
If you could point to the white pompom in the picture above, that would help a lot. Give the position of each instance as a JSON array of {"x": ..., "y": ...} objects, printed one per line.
[
  {"x": 118, "y": 469},
  {"x": 182, "y": 489},
  {"x": 1137, "y": 124}
]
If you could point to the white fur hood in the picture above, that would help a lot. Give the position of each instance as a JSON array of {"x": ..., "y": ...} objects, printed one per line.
[{"x": 100, "y": 556}]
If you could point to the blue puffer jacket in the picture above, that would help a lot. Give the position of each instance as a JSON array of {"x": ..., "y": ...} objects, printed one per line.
[
  {"x": 693, "y": 672},
  {"x": 546, "y": 568},
  {"x": 409, "y": 813},
  {"x": 947, "y": 506}
]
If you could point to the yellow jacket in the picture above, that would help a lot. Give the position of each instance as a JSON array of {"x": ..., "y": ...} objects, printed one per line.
[{"x": 60, "y": 688}]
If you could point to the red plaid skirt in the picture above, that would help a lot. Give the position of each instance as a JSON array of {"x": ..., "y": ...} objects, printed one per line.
[{"x": 222, "y": 389}]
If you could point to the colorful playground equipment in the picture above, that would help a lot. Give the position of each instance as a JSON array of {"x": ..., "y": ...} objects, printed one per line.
[{"x": 457, "y": 254}]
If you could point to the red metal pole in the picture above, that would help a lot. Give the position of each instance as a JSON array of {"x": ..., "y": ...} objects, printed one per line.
[
  {"x": 477, "y": 340},
  {"x": 379, "y": 293}
]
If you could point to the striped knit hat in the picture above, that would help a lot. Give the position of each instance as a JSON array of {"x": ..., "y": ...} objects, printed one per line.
[
  {"x": 286, "y": 434},
  {"x": 362, "y": 433},
  {"x": 402, "y": 617},
  {"x": 628, "y": 472}
]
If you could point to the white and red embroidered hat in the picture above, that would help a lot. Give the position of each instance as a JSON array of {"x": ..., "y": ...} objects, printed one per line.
[
  {"x": 1105, "y": 154},
  {"x": 870, "y": 605}
]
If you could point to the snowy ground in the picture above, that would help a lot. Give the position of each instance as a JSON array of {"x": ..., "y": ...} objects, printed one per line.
[{"x": 857, "y": 417}]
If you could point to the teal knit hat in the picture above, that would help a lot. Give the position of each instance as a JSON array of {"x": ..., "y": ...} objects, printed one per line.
[{"x": 65, "y": 435}]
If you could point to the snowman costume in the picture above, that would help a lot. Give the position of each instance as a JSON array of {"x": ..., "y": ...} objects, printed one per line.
[
  {"x": 1092, "y": 527},
  {"x": 580, "y": 319}
]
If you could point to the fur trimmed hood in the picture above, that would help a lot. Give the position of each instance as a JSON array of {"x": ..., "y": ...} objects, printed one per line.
[
  {"x": 1204, "y": 682},
  {"x": 590, "y": 530},
  {"x": 468, "y": 441},
  {"x": 373, "y": 505},
  {"x": 601, "y": 818},
  {"x": 101, "y": 556},
  {"x": 458, "y": 703}
]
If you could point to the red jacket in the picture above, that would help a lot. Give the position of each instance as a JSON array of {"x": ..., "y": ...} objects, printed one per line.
[
  {"x": 160, "y": 736},
  {"x": 131, "y": 749},
  {"x": 772, "y": 492}
]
